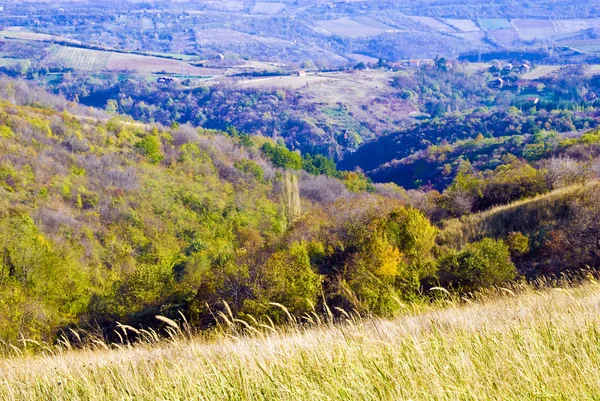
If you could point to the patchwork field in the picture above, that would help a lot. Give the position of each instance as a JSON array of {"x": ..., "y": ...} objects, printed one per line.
[
  {"x": 504, "y": 37},
  {"x": 575, "y": 25},
  {"x": 349, "y": 28},
  {"x": 80, "y": 59},
  {"x": 95, "y": 60},
  {"x": 4, "y": 62},
  {"x": 268, "y": 8},
  {"x": 587, "y": 46},
  {"x": 530, "y": 29},
  {"x": 473, "y": 37},
  {"x": 464, "y": 25},
  {"x": 146, "y": 64},
  {"x": 27, "y": 35},
  {"x": 374, "y": 23},
  {"x": 434, "y": 23},
  {"x": 494, "y": 24},
  {"x": 223, "y": 5}
]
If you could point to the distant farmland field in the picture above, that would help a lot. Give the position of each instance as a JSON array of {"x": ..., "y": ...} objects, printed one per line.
[
  {"x": 80, "y": 59},
  {"x": 95, "y": 60},
  {"x": 145, "y": 64},
  {"x": 576, "y": 25},
  {"x": 592, "y": 46},
  {"x": 541, "y": 71},
  {"x": 373, "y": 23},
  {"x": 268, "y": 8},
  {"x": 223, "y": 5},
  {"x": 434, "y": 23},
  {"x": 26, "y": 35},
  {"x": 349, "y": 28},
  {"x": 464, "y": 25},
  {"x": 530, "y": 29},
  {"x": 362, "y": 57},
  {"x": 504, "y": 37},
  {"x": 473, "y": 37},
  {"x": 494, "y": 24}
]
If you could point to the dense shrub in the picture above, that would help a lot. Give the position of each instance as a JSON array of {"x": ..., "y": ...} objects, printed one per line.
[{"x": 481, "y": 264}]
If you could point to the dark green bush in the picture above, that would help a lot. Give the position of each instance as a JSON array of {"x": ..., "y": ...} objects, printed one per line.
[{"x": 480, "y": 264}]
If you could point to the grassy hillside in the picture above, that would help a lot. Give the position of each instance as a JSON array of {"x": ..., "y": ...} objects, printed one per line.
[
  {"x": 543, "y": 212},
  {"x": 523, "y": 343}
]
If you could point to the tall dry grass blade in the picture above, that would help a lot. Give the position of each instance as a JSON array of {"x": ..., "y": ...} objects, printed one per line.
[
  {"x": 291, "y": 318},
  {"x": 169, "y": 322}
]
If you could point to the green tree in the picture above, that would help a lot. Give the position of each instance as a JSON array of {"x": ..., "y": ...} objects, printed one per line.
[
  {"x": 282, "y": 157},
  {"x": 482, "y": 264},
  {"x": 288, "y": 278},
  {"x": 151, "y": 147}
]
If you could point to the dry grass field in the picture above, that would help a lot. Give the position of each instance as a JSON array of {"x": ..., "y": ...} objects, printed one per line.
[
  {"x": 522, "y": 343},
  {"x": 519, "y": 216}
]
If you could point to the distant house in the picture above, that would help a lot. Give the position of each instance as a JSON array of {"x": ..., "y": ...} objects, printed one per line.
[
  {"x": 301, "y": 73},
  {"x": 166, "y": 80},
  {"x": 497, "y": 83},
  {"x": 414, "y": 63},
  {"x": 533, "y": 99},
  {"x": 524, "y": 68},
  {"x": 220, "y": 57},
  {"x": 508, "y": 67}
]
